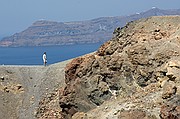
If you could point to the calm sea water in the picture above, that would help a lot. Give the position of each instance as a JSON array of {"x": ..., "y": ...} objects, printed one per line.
[{"x": 33, "y": 55}]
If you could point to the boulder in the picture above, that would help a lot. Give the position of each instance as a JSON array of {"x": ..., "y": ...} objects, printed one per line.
[{"x": 169, "y": 89}]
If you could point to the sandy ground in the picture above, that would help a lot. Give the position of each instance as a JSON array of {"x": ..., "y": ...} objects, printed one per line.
[{"x": 22, "y": 87}]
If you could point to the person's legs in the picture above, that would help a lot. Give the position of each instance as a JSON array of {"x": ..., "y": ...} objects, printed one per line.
[{"x": 44, "y": 63}]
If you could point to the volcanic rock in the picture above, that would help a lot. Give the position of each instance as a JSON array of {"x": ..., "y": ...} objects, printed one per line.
[{"x": 140, "y": 64}]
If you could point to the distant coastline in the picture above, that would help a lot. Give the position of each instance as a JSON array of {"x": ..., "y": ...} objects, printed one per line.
[{"x": 49, "y": 33}]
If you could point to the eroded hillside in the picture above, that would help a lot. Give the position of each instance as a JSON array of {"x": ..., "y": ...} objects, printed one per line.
[{"x": 134, "y": 73}]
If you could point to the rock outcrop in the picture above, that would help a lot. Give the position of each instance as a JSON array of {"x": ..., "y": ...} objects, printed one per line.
[{"x": 136, "y": 72}]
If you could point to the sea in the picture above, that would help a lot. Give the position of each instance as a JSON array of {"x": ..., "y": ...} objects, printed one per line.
[{"x": 33, "y": 55}]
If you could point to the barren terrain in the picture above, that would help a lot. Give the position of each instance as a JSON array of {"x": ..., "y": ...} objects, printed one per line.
[{"x": 22, "y": 87}]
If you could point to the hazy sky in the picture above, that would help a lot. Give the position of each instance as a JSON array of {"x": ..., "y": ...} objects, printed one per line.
[{"x": 17, "y": 15}]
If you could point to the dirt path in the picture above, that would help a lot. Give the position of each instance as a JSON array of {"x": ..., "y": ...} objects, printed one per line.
[{"x": 22, "y": 87}]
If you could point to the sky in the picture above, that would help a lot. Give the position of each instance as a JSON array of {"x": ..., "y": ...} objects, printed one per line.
[{"x": 17, "y": 15}]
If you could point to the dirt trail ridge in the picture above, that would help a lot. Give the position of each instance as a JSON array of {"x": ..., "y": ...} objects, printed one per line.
[{"x": 22, "y": 87}]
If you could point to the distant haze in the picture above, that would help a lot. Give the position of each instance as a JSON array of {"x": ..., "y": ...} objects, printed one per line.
[{"x": 16, "y": 15}]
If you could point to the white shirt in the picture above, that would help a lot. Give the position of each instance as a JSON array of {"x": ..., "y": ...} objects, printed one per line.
[{"x": 44, "y": 58}]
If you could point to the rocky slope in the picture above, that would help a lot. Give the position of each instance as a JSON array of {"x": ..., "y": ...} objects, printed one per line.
[
  {"x": 43, "y": 33},
  {"x": 135, "y": 75}
]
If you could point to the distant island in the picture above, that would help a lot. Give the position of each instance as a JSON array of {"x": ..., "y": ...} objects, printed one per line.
[{"x": 49, "y": 33}]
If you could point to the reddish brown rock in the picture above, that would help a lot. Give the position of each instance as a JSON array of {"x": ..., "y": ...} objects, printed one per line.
[
  {"x": 170, "y": 112},
  {"x": 135, "y": 58}
]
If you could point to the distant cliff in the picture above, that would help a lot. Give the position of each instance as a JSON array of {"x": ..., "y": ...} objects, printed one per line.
[{"x": 46, "y": 33}]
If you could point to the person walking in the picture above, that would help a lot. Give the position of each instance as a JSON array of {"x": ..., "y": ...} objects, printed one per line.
[{"x": 44, "y": 58}]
